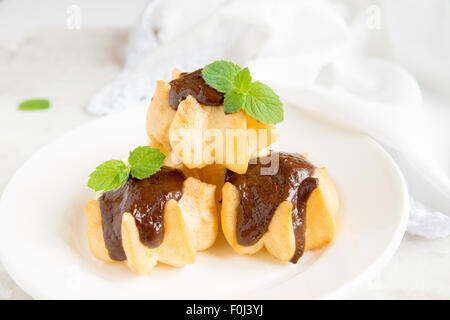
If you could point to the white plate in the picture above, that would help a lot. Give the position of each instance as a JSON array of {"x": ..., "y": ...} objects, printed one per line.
[{"x": 43, "y": 243}]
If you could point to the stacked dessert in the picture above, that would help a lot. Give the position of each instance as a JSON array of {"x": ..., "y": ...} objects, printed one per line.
[{"x": 210, "y": 133}]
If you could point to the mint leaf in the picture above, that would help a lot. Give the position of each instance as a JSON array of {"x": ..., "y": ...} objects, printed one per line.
[
  {"x": 34, "y": 104},
  {"x": 145, "y": 161},
  {"x": 243, "y": 80},
  {"x": 220, "y": 75},
  {"x": 233, "y": 101},
  {"x": 256, "y": 98},
  {"x": 113, "y": 174},
  {"x": 110, "y": 175},
  {"x": 263, "y": 104}
]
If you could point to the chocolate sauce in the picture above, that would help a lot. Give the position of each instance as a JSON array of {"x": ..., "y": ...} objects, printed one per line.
[
  {"x": 260, "y": 196},
  {"x": 145, "y": 200},
  {"x": 193, "y": 84}
]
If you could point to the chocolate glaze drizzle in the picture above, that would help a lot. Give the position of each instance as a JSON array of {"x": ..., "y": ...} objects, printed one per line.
[
  {"x": 194, "y": 85},
  {"x": 260, "y": 196},
  {"x": 145, "y": 200}
]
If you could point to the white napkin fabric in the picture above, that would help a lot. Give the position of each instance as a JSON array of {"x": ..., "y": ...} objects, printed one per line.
[{"x": 311, "y": 56}]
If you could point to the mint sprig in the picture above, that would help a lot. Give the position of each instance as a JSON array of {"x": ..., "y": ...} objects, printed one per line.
[
  {"x": 256, "y": 98},
  {"x": 113, "y": 174},
  {"x": 145, "y": 161},
  {"x": 220, "y": 75},
  {"x": 110, "y": 175}
]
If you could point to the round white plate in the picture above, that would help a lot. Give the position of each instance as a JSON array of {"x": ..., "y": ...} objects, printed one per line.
[{"x": 43, "y": 243}]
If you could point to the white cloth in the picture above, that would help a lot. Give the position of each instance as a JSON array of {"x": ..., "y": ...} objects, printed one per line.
[{"x": 311, "y": 55}]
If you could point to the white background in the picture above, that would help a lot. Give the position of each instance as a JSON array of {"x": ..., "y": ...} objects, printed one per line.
[{"x": 40, "y": 57}]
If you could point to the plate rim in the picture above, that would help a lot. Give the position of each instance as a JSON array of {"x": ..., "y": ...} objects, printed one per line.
[{"x": 395, "y": 242}]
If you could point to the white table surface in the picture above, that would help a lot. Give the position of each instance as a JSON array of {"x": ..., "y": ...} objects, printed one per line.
[{"x": 67, "y": 67}]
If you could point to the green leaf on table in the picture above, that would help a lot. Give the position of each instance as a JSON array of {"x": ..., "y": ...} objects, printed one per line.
[{"x": 34, "y": 104}]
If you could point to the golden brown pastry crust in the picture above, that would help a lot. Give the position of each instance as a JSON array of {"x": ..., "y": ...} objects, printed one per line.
[
  {"x": 190, "y": 224},
  {"x": 173, "y": 131},
  {"x": 279, "y": 240}
]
